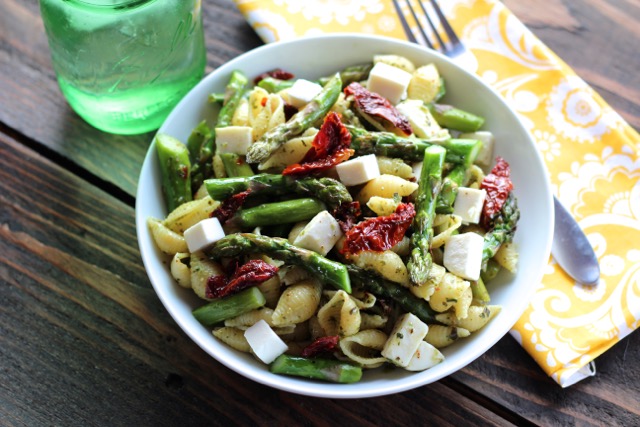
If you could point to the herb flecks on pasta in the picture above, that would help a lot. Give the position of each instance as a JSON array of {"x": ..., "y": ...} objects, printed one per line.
[{"x": 359, "y": 213}]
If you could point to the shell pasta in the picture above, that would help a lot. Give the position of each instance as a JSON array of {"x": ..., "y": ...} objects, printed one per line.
[{"x": 341, "y": 221}]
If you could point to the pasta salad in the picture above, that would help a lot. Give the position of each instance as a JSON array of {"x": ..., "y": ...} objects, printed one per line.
[{"x": 338, "y": 225}]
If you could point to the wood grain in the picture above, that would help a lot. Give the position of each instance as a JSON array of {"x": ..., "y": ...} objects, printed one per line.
[{"x": 508, "y": 375}]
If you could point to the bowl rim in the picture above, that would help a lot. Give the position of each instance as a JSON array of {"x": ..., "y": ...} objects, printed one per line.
[{"x": 300, "y": 385}]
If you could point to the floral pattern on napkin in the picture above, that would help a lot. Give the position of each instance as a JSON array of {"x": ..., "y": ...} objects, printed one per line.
[{"x": 590, "y": 151}]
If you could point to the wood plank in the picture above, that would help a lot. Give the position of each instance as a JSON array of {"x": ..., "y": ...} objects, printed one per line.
[
  {"x": 85, "y": 341},
  {"x": 598, "y": 39},
  {"x": 512, "y": 379},
  {"x": 554, "y": 14}
]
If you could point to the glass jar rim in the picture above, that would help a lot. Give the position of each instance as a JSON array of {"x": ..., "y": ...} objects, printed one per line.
[{"x": 113, "y": 4}]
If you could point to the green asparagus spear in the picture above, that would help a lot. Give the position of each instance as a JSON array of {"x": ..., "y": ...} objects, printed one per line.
[
  {"x": 354, "y": 73},
  {"x": 328, "y": 190},
  {"x": 455, "y": 118},
  {"x": 235, "y": 165},
  {"x": 175, "y": 169},
  {"x": 222, "y": 188},
  {"x": 450, "y": 184},
  {"x": 324, "y": 269},
  {"x": 462, "y": 151},
  {"x": 273, "y": 85},
  {"x": 319, "y": 369},
  {"x": 490, "y": 271},
  {"x": 233, "y": 94},
  {"x": 311, "y": 114},
  {"x": 278, "y": 213},
  {"x": 201, "y": 145},
  {"x": 199, "y": 136},
  {"x": 216, "y": 98},
  {"x": 230, "y": 306},
  {"x": 479, "y": 291},
  {"x": 503, "y": 229},
  {"x": 429, "y": 187},
  {"x": 383, "y": 288}
]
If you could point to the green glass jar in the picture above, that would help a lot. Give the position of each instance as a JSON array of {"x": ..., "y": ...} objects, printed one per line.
[{"x": 124, "y": 64}]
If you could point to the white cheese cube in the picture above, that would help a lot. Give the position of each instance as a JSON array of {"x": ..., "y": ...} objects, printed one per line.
[
  {"x": 389, "y": 82},
  {"x": 468, "y": 204},
  {"x": 203, "y": 233},
  {"x": 359, "y": 170},
  {"x": 463, "y": 255},
  {"x": 264, "y": 343},
  {"x": 302, "y": 92},
  {"x": 320, "y": 234},
  {"x": 404, "y": 340},
  {"x": 234, "y": 139},
  {"x": 485, "y": 155},
  {"x": 427, "y": 356}
]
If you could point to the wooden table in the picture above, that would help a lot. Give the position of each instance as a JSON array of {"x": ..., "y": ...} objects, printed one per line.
[{"x": 85, "y": 341}]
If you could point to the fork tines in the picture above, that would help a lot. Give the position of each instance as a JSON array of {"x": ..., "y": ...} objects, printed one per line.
[{"x": 427, "y": 20}]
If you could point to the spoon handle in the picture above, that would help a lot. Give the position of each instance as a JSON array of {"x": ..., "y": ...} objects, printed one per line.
[{"x": 571, "y": 249}]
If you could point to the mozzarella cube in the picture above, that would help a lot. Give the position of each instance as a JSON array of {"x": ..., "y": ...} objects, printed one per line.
[
  {"x": 359, "y": 170},
  {"x": 320, "y": 234},
  {"x": 264, "y": 343},
  {"x": 203, "y": 233},
  {"x": 302, "y": 92},
  {"x": 468, "y": 204},
  {"x": 463, "y": 255},
  {"x": 404, "y": 340},
  {"x": 485, "y": 155},
  {"x": 427, "y": 356},
  {"x": 389, "y": 82},
  {"x": 234, "y": 139}
]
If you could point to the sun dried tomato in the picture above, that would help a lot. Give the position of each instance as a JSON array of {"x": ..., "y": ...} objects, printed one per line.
[
  {"x": 379, "y": 233},
  {"x": 498, "y": 185},
  {"x": 319, "y": 165},
  {"x": 329, "y": 147},
  {"x": 376, "y": 106},
  {"x": 251, "y": 273},
  {"x": 332, "y": 135},
  {"x": 347, "y": 215},
  {"x": 215, "y": 285},
  {"x": 230, "y": 206},
  {"x": 278, "y": 73},
  {"x": 321, "y": 345}
]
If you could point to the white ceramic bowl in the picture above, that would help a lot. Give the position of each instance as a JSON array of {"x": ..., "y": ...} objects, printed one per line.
[{"x": 319, "y": 56}]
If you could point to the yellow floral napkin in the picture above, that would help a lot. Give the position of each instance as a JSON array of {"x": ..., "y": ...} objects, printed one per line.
[{"x": 591, "y": 154}]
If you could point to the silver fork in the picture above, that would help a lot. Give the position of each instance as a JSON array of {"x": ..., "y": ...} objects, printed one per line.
[{"x": 571, "y": 248}]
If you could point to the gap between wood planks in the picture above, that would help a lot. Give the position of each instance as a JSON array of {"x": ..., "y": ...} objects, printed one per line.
[
  {"x": 487, "y": 403},
  {"x": 69, "y": 165}
]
